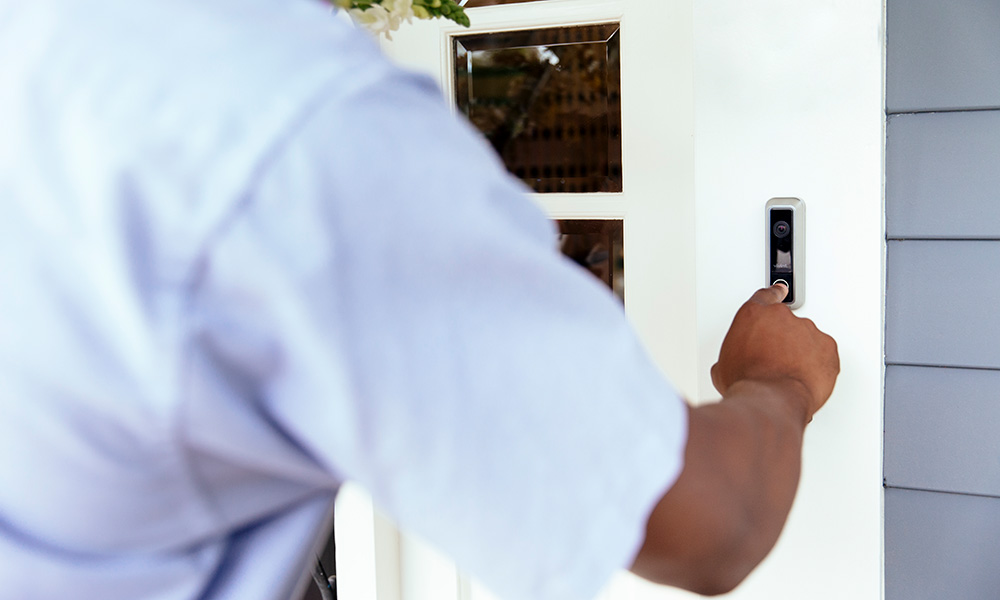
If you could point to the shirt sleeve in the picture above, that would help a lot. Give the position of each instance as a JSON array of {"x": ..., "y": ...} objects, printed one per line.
[{"x": 410, "y": 325}]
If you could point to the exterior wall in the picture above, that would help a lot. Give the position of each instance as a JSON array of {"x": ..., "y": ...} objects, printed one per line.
[{"x": 942, "y": 344}]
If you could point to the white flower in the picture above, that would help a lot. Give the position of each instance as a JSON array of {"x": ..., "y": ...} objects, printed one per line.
[
  {"x": 375, "y": 19},
  {"x": 399, "y": 11},
  {"x": 385, "y": 16}
]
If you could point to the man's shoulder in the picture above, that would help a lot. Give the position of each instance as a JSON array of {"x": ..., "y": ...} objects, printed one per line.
[
  {"x": 209, "y": 67},
  {"x": 217, "y": 55},
  {"x": 183, "y": 100}
]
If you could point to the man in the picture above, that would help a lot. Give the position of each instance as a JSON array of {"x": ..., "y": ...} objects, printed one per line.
[{"x": 244, "y": 259}]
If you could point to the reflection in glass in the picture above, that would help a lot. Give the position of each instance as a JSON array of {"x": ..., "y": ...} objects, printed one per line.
[
  {"x": 597, "y": 246},
  {"x": 783, "y": 262},
  {"x": 549, "y": 101}
]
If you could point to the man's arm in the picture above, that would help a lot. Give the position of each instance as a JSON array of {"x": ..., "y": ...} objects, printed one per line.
[{"x": 727, "y": 508}]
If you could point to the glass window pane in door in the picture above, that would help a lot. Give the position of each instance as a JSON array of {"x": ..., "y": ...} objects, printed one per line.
[
  {"x": 549, "y": 101},
  {"x": 597, "y": 246}
]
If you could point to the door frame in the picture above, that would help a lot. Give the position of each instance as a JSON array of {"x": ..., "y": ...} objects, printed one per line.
[{"x": 657, "y": 146}]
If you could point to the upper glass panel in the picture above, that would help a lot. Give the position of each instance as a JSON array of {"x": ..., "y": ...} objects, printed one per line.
[{"x": 549, "y": 101}]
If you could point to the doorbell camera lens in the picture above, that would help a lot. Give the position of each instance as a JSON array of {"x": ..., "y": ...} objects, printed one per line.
[{"x": 781, "y": 229}]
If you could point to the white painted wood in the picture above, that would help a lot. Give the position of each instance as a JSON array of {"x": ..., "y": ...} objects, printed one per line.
[
  {"x": 388, "y": 574},
  {"x": 725, "y": 105},
  {"x": 657, "y": 147},
  {"x": 426, "y": 574},
  {"x": 657, "y": 204},
  {"x": 789, "y": 103},
  {"x": 355, "y": 527},
  {"x": 583, "y": 206}
]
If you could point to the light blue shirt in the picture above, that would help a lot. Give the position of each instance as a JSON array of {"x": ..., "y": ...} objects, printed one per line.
[{"x": 244, "y": 259}]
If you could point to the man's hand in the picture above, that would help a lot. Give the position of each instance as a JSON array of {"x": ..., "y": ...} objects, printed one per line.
[
  {"x": 767, "y": 343},
  {"x": 741, "y": 464}
]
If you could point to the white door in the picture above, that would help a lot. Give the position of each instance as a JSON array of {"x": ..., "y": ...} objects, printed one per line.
[{"x": 724, "y": 104}]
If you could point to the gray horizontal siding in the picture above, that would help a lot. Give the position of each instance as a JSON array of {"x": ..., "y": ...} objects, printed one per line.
[
  {"x": 942, "y": 430},
  {"x": 943, "y": 175},
  {"x": 941, "y": 546},
  {"x": 943, "y": 303},
  {"x": 942, "y": 55},
  {"x": 942, "y": 419}
]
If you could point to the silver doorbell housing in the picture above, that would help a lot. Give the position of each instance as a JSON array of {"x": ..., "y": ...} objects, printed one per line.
[{"x": 785, "y": 254}]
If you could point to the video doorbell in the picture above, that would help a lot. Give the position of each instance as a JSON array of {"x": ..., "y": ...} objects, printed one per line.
[{"x": 785, "y": 232}]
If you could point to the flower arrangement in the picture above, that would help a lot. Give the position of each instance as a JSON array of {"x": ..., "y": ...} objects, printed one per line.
[{"x": 385, "y": 16}]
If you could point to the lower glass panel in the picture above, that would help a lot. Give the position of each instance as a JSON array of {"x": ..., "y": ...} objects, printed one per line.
[{"x": 597, "y": 246}]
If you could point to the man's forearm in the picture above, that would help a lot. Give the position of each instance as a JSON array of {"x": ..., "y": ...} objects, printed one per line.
[{"x": 727, "y": 508}]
